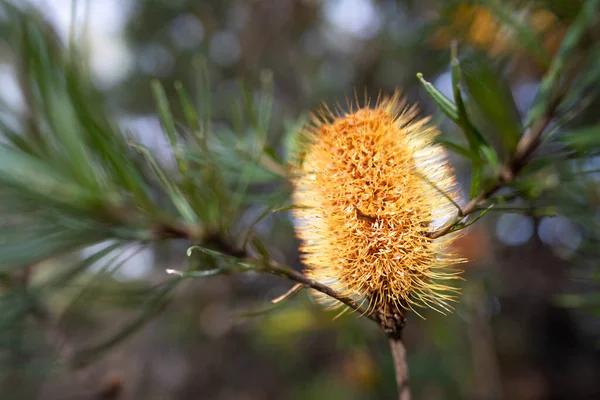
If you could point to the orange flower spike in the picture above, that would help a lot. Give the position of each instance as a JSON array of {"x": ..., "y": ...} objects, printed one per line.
[{"x": 368, "y": 187}]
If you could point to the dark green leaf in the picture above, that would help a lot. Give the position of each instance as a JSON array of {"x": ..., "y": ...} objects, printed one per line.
[
  {"x": 444, "y": 103},
  {"x": 490, "y": 95},
  {"x": 583, "y": 139},
  {"x": 260, "y": 248},
  {"x": 476, "y": 141},
  {"x": 474, "y": 138},
  {"x": 476, "y": 180}
]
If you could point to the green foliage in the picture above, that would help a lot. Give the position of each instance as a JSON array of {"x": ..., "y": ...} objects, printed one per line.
[
  {"x": 491, "y": 97},
  {"x": 583, "y": 141},
  {"x": 494, "y": 111},
  {"x": 71, "y": 177}
]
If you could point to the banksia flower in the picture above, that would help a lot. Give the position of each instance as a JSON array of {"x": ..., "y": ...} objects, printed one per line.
[{"x": 368, "y": 188}]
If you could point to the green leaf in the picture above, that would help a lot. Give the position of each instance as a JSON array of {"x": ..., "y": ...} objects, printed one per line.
[
  {"x": 490, "y": 156},
  {"x": 105, "y": 140},
  {"x": 544, "y": 98},
  {"x": 197, "y": 274},
  {"x": 474, "y": 138},
  {"x": 463, "y": 225},
  {"x": 164, "y": 112},
  {"x": 266, "y": 100},
  {"x": 177, "y": 198},
  {"x": 582, "y": 140},
  {"x": 217, "y": 255},
  {"x": 14, "y": 136},
  {"x": 189, "y": 111},
  {"x": 445, "y": 104},
  {"x": 203, "y": 97},
  {"x": 41, "y": 244},
  {"x": 491, "y": 96},
  {"x": 476, "y": 141},
  {"x": 452, "y": 111},
  {"x": 259, "y": 116},
  {"x": 533, "y": 185},
  {"x": 45, "y": 76},
  {"x": 260, "y": 248},
  {"x": 28, "y": 176},
  {"x": 267, "y": 211},
  {"x": 166, "y": 119},
  {"x": 476, "y": 180},
  {"x": 458, "y": 149}
]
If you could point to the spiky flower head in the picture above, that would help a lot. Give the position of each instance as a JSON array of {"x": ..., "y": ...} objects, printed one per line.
[{"x": 368, "y": 188}]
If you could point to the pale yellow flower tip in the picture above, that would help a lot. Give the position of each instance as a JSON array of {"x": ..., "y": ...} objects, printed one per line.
[{"x": 369, "y": 186}]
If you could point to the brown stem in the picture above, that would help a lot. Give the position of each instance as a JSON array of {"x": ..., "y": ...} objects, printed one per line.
[
  {"x": 294, "y": 289},
  {"x": 400, "y": 366},
  {"x": 275, "y": 268},
  {"x": 179, "y": 230},
  {"x": 392, "y": 323},
  {"x": 272, "y": 267}
]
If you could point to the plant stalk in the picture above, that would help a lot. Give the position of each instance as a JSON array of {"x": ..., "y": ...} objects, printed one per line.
[{"x": 400, "y": 366}]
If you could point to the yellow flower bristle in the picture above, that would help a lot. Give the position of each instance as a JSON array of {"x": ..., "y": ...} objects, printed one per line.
[{"x": 368, "y": 188}]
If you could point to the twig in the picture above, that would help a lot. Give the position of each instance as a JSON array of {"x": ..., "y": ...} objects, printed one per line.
[
  {"x": 525, "y": 148},
  {"x": 275, "y": 268},
  {"x": 284, "y": 296},
  {"x": 400, "y": 367},
  {"x": 167, "y": 230},
  {"x": 225, "y": 248}
]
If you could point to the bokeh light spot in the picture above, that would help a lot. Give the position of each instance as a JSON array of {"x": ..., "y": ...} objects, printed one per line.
[{"x": 514, "y": 229}]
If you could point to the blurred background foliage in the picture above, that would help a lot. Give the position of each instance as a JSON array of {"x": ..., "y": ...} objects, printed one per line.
[{"x": 134, "y": 128}]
